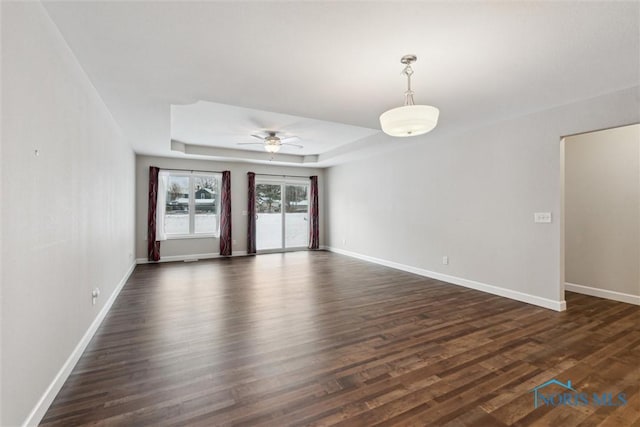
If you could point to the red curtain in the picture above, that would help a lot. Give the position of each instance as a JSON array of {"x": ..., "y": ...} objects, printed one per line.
[
  {"x": 225, "y": 215},
  {"x": 251, "y": 213},
  {"x": 314, "y": 229},
  {"x": 153, "y": 246}
]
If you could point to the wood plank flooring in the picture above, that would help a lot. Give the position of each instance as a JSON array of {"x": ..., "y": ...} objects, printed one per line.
[{"x": 315, "y": 338}]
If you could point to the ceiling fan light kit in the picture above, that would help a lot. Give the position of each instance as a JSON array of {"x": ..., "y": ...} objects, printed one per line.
[
  {"x": 410, "y": 119},
  {"x": 272, "y": 148},
  {"x": 272, "y": 142}
]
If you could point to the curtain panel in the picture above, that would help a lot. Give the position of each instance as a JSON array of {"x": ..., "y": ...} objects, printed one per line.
[
  {"x": 153, "y": 246},
  {"x": 251, "y": 213},
  {"x": 161, "y": 205},
  {"x": 225, "y": 215},
  {"x": 314, "y": 228}
]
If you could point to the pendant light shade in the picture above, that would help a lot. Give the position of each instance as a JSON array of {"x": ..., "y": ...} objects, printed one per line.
[{"x": 411, "y": 119}]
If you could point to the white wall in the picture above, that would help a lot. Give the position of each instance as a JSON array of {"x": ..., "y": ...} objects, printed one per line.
[
  {"x": 67, "y": 214},
  {"x": 602, "y": 209},
  {"x": 1, "y": 223},
  {"x": 470, "y": 196},
  {"x": 186, "y": 247}
]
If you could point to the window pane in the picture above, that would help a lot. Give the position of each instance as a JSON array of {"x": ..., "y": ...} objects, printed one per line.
[
  {"x": 206, "y": 202},
  {"x": 296, "y": 200},
  {"x": 176, "y": 220},
  {"x": 296, "y": 221},
  {"x": 268, "y": 198},
  {"x": 269, "y": 218}
]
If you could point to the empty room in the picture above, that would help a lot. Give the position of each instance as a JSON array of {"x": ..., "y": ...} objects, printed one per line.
[{"x": 311, "y": 213}]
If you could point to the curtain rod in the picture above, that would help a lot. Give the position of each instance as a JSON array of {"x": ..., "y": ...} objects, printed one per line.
[
  {"x": 210, "y": 171},
  {"x": 188, "y": 170},
  {"x": 284, "y": 176}
]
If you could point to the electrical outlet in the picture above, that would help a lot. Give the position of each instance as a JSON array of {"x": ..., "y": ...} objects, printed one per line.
[
  {"x": 445, "y": 260},
  {"x": 542, "y": 217}
]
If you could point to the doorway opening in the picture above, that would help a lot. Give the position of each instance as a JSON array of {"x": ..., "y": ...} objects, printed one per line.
[{"x": 600, "y": 214}]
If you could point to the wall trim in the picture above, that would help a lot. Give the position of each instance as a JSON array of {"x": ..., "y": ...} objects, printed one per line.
[
  {"x": 602, "y": 293},
  {"x": 188, "y": 257},
  {"x": 491, "y": 289},
  {"x": 37, "y": 413}
]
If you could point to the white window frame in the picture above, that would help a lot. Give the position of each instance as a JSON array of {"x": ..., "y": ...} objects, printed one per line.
[{"x": 192, "y": 204}]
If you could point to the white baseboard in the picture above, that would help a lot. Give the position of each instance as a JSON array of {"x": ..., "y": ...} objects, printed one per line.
[
  {"x": 190, "y": 257},
  {"x": 602, "y": 293},
  {"x": 36, "y": 414},
  {"x": 491, "y": 289}
]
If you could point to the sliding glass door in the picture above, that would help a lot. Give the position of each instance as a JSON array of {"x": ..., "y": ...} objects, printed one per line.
[{"x": 282, "y": 215}]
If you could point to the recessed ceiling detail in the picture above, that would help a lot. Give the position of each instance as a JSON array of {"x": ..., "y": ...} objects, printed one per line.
[
  {"x": 227, "y": 130},
  {"x": 336, "y": 62}
]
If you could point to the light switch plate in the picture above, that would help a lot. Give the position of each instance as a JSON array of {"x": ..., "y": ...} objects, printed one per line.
[{"x": 542, "y": 217}]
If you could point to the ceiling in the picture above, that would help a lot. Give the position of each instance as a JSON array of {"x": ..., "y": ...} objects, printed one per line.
[{"x": 331, "y": 68}]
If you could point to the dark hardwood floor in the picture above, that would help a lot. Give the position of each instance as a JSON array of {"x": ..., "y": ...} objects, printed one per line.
[{"x": 315, "y": 338}]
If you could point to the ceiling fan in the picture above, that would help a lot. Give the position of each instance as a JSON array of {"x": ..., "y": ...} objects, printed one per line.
[{"x": 272, "y": 142}]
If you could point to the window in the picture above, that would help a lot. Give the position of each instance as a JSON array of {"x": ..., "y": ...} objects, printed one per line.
[{"x": 191, "y": 205}]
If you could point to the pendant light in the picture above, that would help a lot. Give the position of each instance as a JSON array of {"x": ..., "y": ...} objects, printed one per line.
[{"x": 411, "y": 119}]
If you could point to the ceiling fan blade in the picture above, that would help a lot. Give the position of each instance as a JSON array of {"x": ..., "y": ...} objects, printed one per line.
[
  {"x": 257, "y": 122},
  {"x": 288, "y": 144},
  {"x": 289, "y": 138},
  {"x": 258, "y": 136}
]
